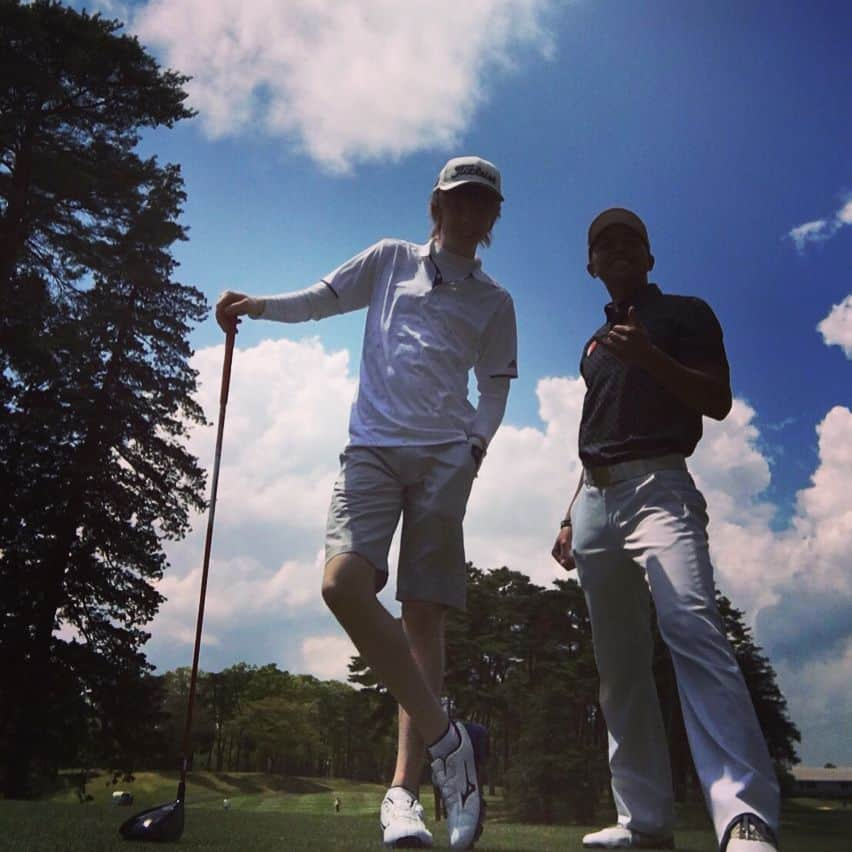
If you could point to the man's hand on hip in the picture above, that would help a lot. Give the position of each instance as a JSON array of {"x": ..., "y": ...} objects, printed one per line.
[{"x": 478, "y": 448}]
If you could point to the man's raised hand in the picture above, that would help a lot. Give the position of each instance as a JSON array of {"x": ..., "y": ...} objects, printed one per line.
[{"x": 629, "y": 341}]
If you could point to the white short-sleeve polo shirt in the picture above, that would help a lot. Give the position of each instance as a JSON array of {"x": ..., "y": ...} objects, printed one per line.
[{"x": 422, "y": 337}]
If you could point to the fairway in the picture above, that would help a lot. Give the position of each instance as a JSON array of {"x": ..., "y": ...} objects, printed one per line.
[{"x": 270, "y": 814}]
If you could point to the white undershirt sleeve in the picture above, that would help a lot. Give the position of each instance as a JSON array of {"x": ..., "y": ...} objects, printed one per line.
[
  {"x": 312, "y": 303},
  {"x": 347, "y": 288},
  {"x": 494, "y": 369},
  {"x": 493, "y": 394}
]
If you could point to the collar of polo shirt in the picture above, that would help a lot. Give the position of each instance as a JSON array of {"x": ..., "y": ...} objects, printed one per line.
[
  {"x": 618, "y": 312},
  {"x": 424, "y": 253}
]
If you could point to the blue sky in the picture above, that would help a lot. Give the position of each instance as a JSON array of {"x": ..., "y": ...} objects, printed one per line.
[{"x": 725, "y": 125}]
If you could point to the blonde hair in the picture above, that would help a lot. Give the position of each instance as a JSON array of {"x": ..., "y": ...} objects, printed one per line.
[{"x": 435, "y": 216}]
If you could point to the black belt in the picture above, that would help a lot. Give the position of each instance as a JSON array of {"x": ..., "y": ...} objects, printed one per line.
[{"x": 612, "y": 473}]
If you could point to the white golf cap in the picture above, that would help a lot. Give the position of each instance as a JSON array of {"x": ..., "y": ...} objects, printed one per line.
[{"x": 461, "y": 170}]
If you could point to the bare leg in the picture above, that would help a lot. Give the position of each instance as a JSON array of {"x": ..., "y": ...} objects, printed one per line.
[
  {"x": 423, "y": 623},
  {"x": 349, "y": 590}
]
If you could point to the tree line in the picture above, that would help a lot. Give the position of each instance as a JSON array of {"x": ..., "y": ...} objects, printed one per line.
[{"x": 519, "y": 661}]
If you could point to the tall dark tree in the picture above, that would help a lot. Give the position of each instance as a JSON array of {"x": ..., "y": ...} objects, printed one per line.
[
  {"x": 223, "y": 696},
  {"x": 515, "y": 640},
  {"x": 74, "y": 95},
  {"x": 778, "y": 728},
  {"x": 378, "y": 719},
  {"x": 96, "y": 384}
]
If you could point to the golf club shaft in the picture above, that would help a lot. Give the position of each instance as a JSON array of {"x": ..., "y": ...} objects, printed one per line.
[{"x": 223, "y": 401}]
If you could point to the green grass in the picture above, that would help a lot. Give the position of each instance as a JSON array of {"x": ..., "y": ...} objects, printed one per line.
[{"x": 270, "y": 814}]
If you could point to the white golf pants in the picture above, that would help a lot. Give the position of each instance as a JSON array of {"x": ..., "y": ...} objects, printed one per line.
[{"x": 651, "y": 531}]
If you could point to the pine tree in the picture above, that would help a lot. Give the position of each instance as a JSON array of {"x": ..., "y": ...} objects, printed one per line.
[
  {"x": 770, "y": 705},
  {"x": 97, "y": 388}
]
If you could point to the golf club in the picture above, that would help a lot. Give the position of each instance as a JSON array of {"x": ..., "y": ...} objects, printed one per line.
[{"x": 165, "y": 822}]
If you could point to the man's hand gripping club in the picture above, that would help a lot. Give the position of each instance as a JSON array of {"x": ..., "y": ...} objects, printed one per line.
[{"x": 231, "y": 306}]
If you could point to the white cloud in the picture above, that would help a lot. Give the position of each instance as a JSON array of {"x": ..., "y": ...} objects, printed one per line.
[
  {"x": 819, "y": 692},
  {"x": 825, "y": 507},
  {"x": 810, "y": 232},
  {"x": 328, "y": 656},
  {"x": 243, "y": 588},
  {"x": 807, "y": 630},
  {"x": 286, "y": 424},
  {"x": 120, "y": 9},
  {"x": 525, "y": 485},
  {"x": 347, "y": 81},
  {"x": 733, "y": 474},
  {"x": 836, "y": 328},
  {"x": 821, "y": 230}
]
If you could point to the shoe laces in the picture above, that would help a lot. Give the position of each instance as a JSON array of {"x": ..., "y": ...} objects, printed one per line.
[
  {"x": 448, "y": 789},
  {"x": 412, "y": 809},
  {"x": 752, "y": 828}
]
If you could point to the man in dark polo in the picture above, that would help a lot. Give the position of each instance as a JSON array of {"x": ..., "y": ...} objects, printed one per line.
[{"x": 636, "y": 528}]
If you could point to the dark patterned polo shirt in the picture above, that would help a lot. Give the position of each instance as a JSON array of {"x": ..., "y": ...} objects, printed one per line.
[{"x": 626, "y": 414}]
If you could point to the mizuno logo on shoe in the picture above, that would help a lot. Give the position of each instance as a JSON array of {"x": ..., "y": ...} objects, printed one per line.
[{"x": 469, "y": 788}]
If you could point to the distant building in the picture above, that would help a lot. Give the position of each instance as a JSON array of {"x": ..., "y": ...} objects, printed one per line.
[{"x": 821, "y": 782}]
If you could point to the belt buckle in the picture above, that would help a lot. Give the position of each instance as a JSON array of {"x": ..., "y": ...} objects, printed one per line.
[{"x": 599, "y": 477}]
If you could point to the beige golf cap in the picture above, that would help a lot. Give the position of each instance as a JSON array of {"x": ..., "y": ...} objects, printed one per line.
[
  {"x": 617, "y": 216},
  {"x": 462, "y": 170}
]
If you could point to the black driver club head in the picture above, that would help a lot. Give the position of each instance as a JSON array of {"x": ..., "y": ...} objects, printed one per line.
[{"x": 160, "y": 824}]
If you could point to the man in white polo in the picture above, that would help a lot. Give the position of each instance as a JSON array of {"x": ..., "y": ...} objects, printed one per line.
[
  {"x": 637, "y": 528},
  {"x": 415, "y": 445}
]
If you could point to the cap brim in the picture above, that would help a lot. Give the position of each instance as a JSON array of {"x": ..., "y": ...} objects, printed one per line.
[
  {"x": 444, "y": 187},
  {"x": 617, "y": 216}
]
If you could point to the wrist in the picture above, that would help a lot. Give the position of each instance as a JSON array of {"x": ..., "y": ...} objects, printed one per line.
[
  {"x": 478, "y": 441},
  {"x": 477, "y": 449},
  {"x": 258, "y": 306},
  {"x": 565, "y": 522}
]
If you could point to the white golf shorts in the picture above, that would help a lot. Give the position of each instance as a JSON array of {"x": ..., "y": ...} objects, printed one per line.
[{"x": 427, "y": 485}]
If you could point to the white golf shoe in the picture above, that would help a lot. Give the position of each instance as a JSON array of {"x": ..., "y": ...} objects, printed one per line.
[
  {"x": 402, "y": 821},
  {"x": 455, "y": 776},
  {"x": 749, "y": 833},
  {"x": 619, "y": 837}
]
